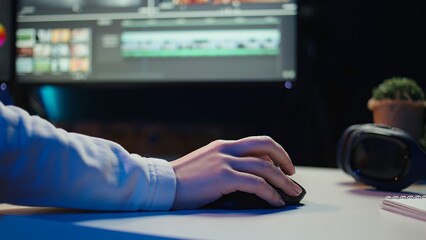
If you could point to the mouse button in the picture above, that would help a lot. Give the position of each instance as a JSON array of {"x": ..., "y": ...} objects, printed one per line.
[{"x": 292, "y": 200}]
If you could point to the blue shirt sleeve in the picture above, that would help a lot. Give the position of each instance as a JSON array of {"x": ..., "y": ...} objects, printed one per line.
[{"x": 41, "y": 165}]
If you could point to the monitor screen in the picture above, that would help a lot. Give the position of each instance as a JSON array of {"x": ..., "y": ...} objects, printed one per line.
[
  {"x": 155, "y": 41},
  {"x": 6, "y": 45}
]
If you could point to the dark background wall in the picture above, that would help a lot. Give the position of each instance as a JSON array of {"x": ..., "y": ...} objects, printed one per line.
[
  {"x": 350, "y": 47},
  {"x": 344, "y": 50}
]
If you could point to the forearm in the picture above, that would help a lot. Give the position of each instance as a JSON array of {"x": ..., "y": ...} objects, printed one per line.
[{"x": 43, "y": 165}]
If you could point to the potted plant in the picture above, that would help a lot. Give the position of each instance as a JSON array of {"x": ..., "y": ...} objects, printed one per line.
[{"x": 399, "y": 102}]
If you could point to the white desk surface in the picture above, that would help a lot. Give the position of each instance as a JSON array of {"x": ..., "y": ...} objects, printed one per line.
[{"x": 335, "y": 207}]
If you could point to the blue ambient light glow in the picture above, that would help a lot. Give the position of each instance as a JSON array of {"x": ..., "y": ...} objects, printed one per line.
[{"x": 50, "y": 97}]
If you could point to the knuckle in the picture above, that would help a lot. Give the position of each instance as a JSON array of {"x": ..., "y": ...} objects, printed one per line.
[
  {"x": 219, "y": 145},
  {"x": 265, "y": 138},
  {"x": 258, "y": 183},
  {"x": 225, "y": 146},
  {"x": 223, "y": 159},
  {"x": 227, "y": 173},
  {"x": 217, "y": 142},
  {"x": 266, "y": 165},
  {"x": 270, "y": 142}
]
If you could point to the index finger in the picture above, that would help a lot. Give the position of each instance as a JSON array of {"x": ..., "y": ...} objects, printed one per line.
[{"x": 262, "y": 146}]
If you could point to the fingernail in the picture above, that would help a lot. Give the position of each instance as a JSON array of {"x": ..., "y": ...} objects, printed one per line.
[
  {"x": 297, "y": 189},
  {"x": 281, "y": 202}
]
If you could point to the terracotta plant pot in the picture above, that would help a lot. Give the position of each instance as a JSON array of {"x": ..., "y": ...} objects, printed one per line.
[{"x": 403, "y": 114}]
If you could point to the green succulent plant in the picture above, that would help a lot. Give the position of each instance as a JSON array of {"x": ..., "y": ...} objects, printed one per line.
[
  {"x": 403, "y": 89},
  {"x": 398, "y": 88}
]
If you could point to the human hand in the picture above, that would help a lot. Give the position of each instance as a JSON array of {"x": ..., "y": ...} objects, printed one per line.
[{"x": 222, "y": 167}]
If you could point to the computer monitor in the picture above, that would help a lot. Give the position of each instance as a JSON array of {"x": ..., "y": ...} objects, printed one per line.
[
  {"x": 146, "y": 41},
  {"x": 6, "y": 41}
]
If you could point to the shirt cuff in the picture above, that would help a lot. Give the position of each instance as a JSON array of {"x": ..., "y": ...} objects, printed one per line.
[{"x": 165, "y": 185}]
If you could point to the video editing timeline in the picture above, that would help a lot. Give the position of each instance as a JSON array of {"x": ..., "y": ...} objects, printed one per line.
[
  {"x": 193, "y": 43},
  {"x": 156, "y": 40}
]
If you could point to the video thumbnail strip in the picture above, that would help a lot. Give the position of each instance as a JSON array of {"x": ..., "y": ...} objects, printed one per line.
[
  {"x": 202, "y": 43},
  {"x": 223, "y": 2},
  {"x": 53, "y": 51}
]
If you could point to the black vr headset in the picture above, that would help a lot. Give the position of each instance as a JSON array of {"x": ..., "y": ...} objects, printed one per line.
[{"x": 380, "y": 156}]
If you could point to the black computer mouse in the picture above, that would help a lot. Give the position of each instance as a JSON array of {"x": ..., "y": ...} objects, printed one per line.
[{"x": 242, "y": 200}]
